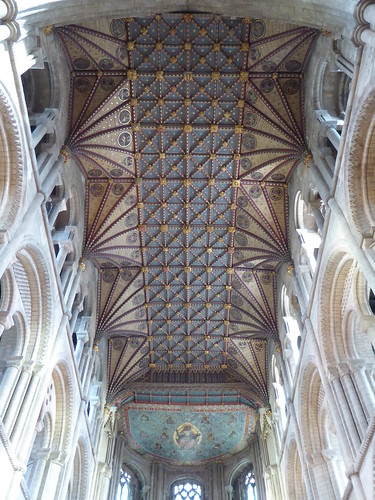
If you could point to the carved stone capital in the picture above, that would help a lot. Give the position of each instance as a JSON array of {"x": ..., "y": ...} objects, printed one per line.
[
  {"x": 14, "y": 361},
  {"x": 343, "y": 369},
  {"x": 356, "y": 364},
  {"x": 332, "y": 372}
]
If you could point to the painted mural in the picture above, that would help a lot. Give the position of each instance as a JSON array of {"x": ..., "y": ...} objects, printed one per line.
[{"x": 189, "y": 435}]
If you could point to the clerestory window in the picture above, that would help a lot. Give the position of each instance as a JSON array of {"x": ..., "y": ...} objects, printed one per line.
[
  {"x": 187, "y": 491},
  {"x": 123, "y": 489},
  {"x": 250, "y": 486}
]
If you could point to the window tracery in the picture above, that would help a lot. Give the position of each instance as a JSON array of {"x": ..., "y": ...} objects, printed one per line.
[
  {"x": 250, "y": 484},
  {"x": 187, "y": 490},
  {"x": 123, "y": 489}
]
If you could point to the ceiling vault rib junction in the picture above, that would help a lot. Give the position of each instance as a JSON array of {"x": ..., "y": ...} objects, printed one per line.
[{"x": 187, "y": 128}]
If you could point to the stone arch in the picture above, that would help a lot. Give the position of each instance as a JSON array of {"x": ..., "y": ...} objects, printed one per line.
[
  {"x": 7, "y": 286},
  {"x": 238, "y": 469},
  {"x": 130, "y": 476},
  {"x": 63, "y": 431},
  {"x": 310, "y": 389},
  {"x": 79, "y": 477},
  {"x": 14, "y": 340},
  {"x": 294, "y": 477},
  {"x": 42, "y": 441},
  {"x": 12, "y": 165},
  {"x": 334, "y": 280},
  {"x": 342, "y": 333},
  {"x": 31, "y": 275},
  {"x": 359, "y": 174},
  {"x": 315, "y": 423}
]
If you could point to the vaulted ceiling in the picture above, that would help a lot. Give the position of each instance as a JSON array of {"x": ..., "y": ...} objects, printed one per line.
[{"x": 187, "y": 128}]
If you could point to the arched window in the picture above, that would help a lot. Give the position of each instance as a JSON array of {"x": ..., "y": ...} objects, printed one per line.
[
  {"x": 123, "y": 489},
  {"x": 279, "y": 394},
  {"x": 291, "y": 326},
  {"x": 244, "y": 483},
  {"x": 308, "y": 231},
  {"x": 187, "y": 490},
  {"x": 250, "y": 486}
]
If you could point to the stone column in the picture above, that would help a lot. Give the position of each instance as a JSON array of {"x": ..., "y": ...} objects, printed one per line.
[
  {"x": 305, "y": 281},
  {"x": 333, "y": 402},
  {"x": 43, "y": 456},
  {"x": 365, "y": 391},
  {"x": 305, "y": 471},
  {"x": 73, "y": 291},
  {"x": 353, "y": 399},
  {"x": 21, "y": 431},
  {"x": 19, "y": 399},
  {"x": 321, "y": 184},
  {"x": 50, "y": 180},
  {"x": 65, "y": 247},
  {"x": 357, "y": 487},
  {"x": 8, "y": 382},
  {"x": 334, "y": 137},
  {"x": 297, "y": 290},
  {"x": 229, "y": 490},
  {"x": 322, "y": 479},
  {"x": 44, "y": 125},
  {"x": 66, "y": 276},
  {"x": 74, "y": 317},
  {"x": 59, "y": 206},
  {"x": 345, "y": 412},
  {"x": 54, "y": 468}
]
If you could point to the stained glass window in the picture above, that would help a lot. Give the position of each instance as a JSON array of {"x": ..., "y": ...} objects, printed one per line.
[
  {"x": 186, "y": 491},
  {"x": 250, "y": 486},
  {"x": 123, "y": 486}
]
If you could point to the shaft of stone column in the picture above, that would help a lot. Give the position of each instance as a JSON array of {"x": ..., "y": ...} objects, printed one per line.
[
  {"x": 61, "y": 256},
  {"x": 332, "y": 400},
  {"x": 300, "y": 449},
  {"x": 8, "y": 382},
  {"x": 51, "y": 179},
  {"x": 321, "y": 184},
  {"x": 17, "y": 401},
  {"x": 38, "y": 474},
  {"x": 319, "y": 219},
  {"x": 352, "y": 396},
  {"x": 21, "y": 429},
  {"x": 74, "y": 288},
  {"x": 334, "y": 137},
  {"x": 298, "y": 292},
  {"x": 365, "y": 391},
  {"x": 357, "y": 487},
  {"x": 38, "y": 133}
]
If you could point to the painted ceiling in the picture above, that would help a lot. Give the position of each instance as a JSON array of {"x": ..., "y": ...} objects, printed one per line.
[
  {"x": 187, "y": 128},
  {"x": 189, "y": 436}
]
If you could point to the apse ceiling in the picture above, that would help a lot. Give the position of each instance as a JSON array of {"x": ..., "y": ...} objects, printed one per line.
[{"x": 187, "y": 128}]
